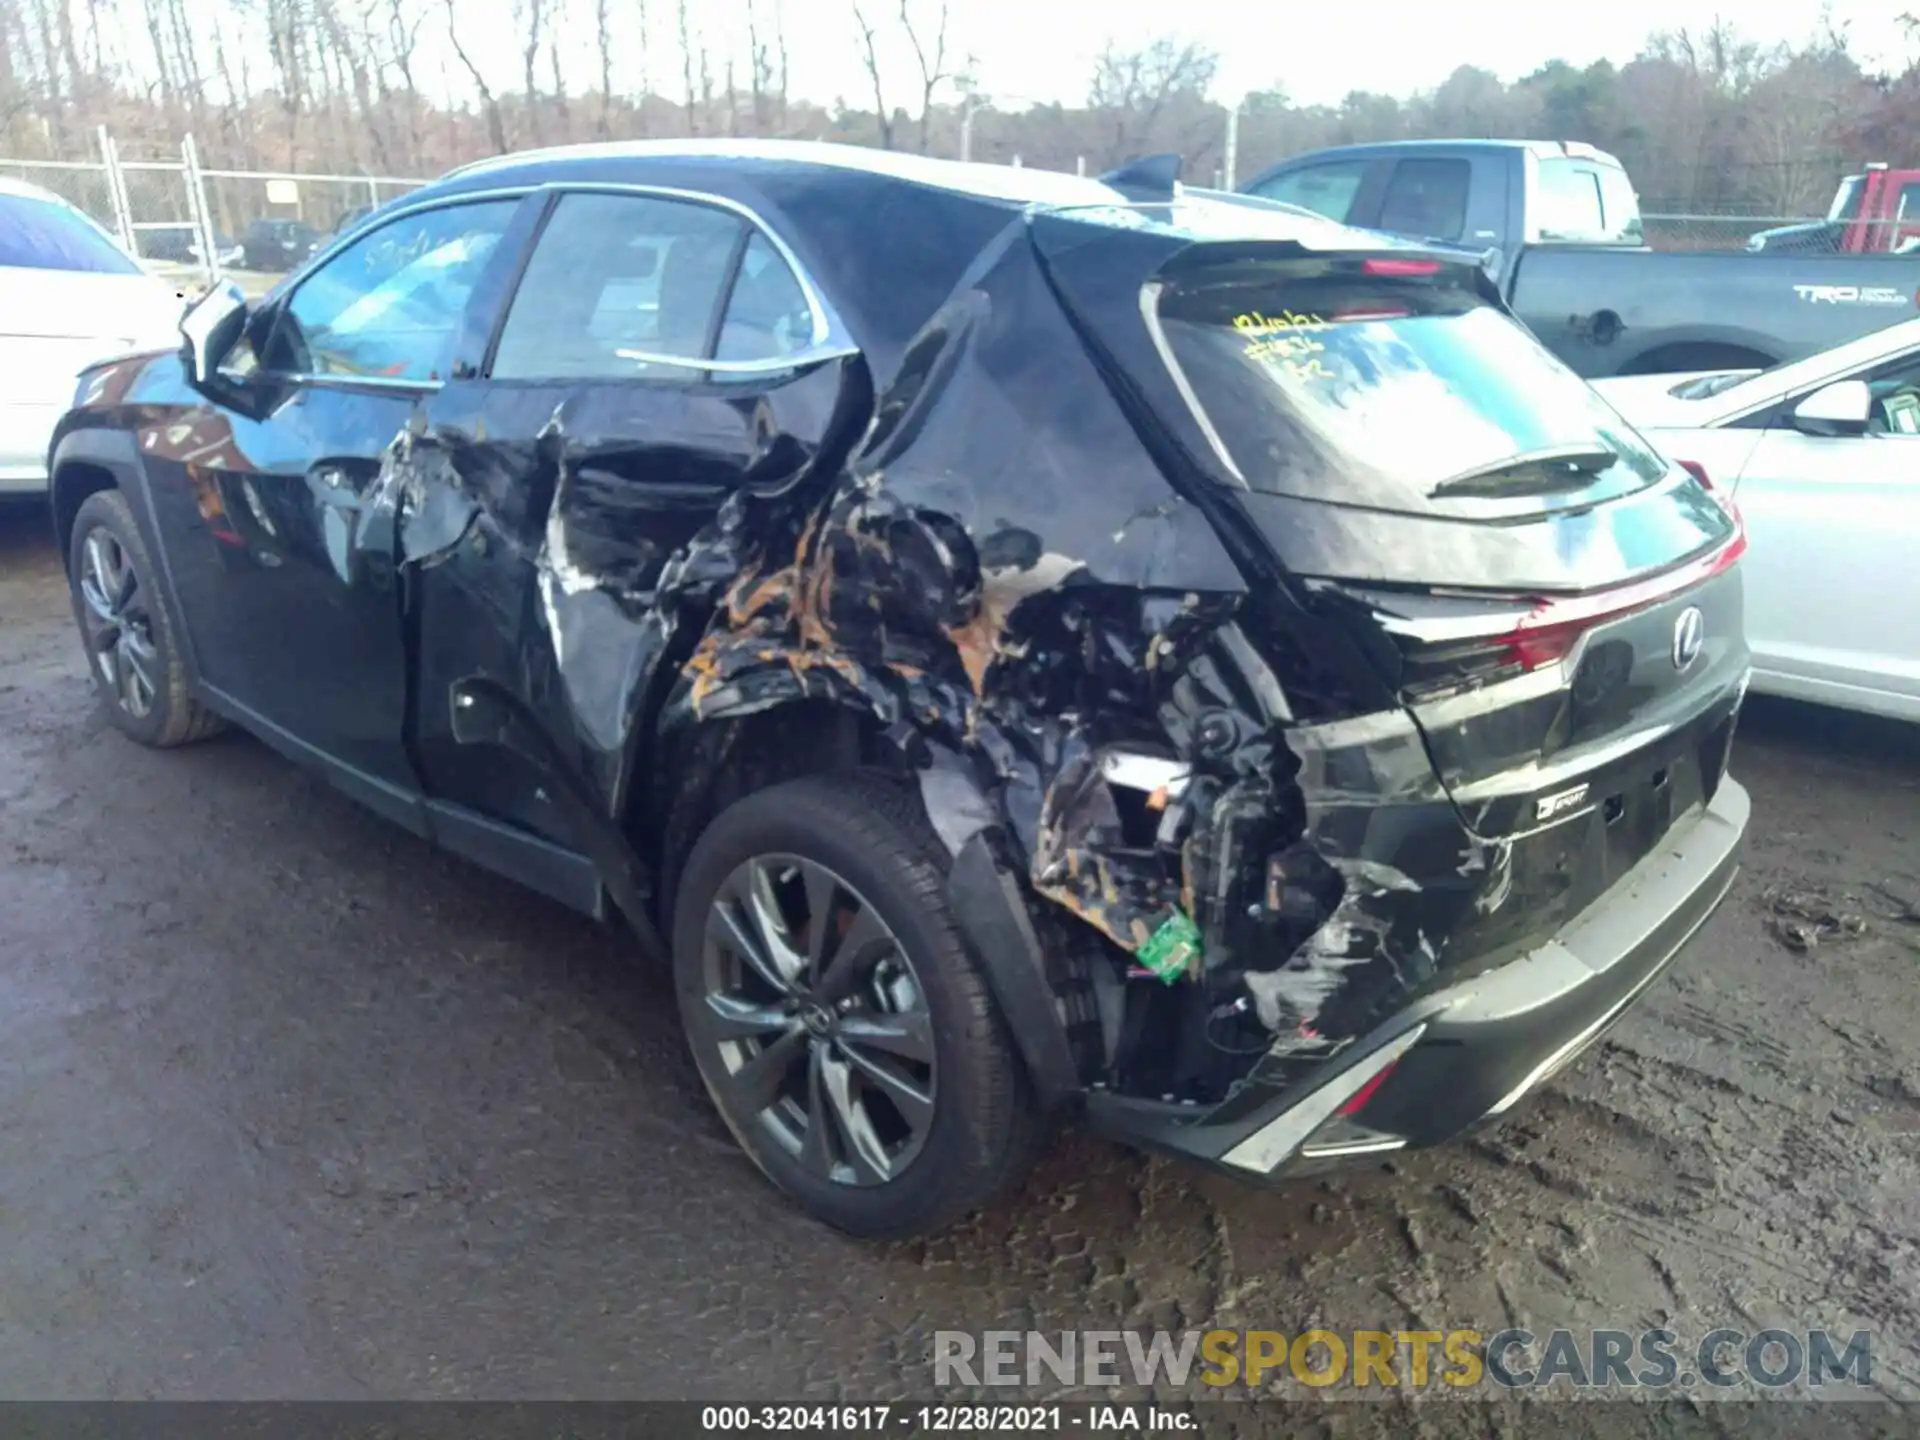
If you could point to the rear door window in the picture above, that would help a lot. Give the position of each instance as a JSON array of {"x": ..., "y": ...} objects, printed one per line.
[
  {"x": 1328, "y": 190},
  {"x": 1427, "y": 198},
  {"x": 618, "y": 288},
  {"x": 38, "y": 234}
]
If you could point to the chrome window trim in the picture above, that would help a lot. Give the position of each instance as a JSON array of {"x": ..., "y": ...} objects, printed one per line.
[
  {"x": 823, "y": 318},
  {"x": 337, "y": 381}
]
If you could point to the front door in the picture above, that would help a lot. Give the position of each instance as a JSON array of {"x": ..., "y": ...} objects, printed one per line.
[
  {"x": 1832, "y": 591},
  {"x": 283, "y": 560}
]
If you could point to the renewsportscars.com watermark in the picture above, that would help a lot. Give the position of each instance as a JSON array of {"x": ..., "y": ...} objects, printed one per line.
[{"x": 1511, "y": 1359}]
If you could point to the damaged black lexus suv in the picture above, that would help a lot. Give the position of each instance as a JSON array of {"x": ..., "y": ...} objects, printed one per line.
[{"x": 1019, "y": 646}]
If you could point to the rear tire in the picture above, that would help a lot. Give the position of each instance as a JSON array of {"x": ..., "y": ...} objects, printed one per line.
[
  {"x": 870, "y": 1075},
  {"x": 131, "y": 651}
]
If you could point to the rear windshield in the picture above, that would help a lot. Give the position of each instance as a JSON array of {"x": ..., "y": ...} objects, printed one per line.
[
  {"x": 46, "y": 235},
  {"x": 1407, "y": 393}
]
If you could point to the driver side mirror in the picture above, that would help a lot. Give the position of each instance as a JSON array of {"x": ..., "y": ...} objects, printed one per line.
[
  {"x": 210, "y": 329},
  {"x": 1842, "y": 408}
]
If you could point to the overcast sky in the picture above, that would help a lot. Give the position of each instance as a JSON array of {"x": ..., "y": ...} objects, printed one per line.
[{"x": 1039, "y": 50}]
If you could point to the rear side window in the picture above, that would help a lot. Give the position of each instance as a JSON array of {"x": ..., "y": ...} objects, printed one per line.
[
  {"x": 1580, "y": 201},
  {"x": 40, "y": 234},
  {"x": 1395, "y": 392},
  {"x": 1427, "y": 198},
  {"x": 1327, "y": 190},
  {"x": 619, "y": 286}
]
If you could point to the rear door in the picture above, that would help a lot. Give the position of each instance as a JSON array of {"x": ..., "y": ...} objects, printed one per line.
[{"x": 660, "y": 354}]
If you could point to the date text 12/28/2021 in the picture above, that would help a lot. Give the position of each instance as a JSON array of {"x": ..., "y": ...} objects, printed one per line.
[{"x": 934, "y": 1419}]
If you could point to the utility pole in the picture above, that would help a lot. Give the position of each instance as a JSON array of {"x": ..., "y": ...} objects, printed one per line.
[
  {"x": 966, "y": 128},
  {"x": 1233, "y": 144}
]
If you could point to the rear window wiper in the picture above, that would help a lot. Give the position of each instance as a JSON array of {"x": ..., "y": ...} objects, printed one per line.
[{"x": 1554, "y": 467}]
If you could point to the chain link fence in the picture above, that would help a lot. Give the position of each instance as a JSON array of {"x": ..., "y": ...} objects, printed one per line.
[
  {"x": 195, "y": 225},
  {"x": 1709, "y": 232}
]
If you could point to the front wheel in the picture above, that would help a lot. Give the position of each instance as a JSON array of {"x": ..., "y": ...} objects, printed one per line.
[
  {"x": 131, "y": 648},
  {"x": 846, "y": 1037}
]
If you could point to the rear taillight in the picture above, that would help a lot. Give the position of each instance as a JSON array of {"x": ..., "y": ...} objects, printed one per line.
[
  {"x": 1438, "y": 657},
  {"x": 1697, "y": 471},
  {"x": 1367, "y": 1091},
  {"x": 1555, "y": 625}
]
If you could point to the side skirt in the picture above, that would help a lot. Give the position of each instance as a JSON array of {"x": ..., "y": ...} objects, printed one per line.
[{"x": 548, "y": 869}]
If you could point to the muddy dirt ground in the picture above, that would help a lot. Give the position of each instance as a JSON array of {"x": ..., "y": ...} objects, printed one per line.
[{"x": 291, "y": 1105}]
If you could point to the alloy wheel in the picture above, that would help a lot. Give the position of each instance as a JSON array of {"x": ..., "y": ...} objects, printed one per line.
[
  {"x": 119, "y": 623},
  {"x": 822, "y": 1026}
]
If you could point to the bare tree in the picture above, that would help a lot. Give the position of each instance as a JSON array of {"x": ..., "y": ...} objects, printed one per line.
[
  {"x": 603, "y": 127},
  {"x": 780, "y": 48},
  {"x": 286, "y": 32},
  {"x": 56, "y": 111},
  {"x": 872, "y": 58},
  {"x": 759, "y": 69},
  {"x": 706, "y": 83},
  {"x": 531, "y": 13},
  {"x": 489, "y": 102},
  {"x": 930, "y": 54},
  {"x": 70, "y": 50},
  {"x": 563, "y": 112},
  {"x": 686, "y": 69},
  {"x": 646, "y": 65},
  {"x": 1138, "y": 89}
]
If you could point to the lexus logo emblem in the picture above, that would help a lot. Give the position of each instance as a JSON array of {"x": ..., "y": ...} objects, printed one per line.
[{"x": 1689, "y": 634}]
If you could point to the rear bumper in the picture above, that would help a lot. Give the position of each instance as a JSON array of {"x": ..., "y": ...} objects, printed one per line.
[{"x": 1471, "y": 1052}]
